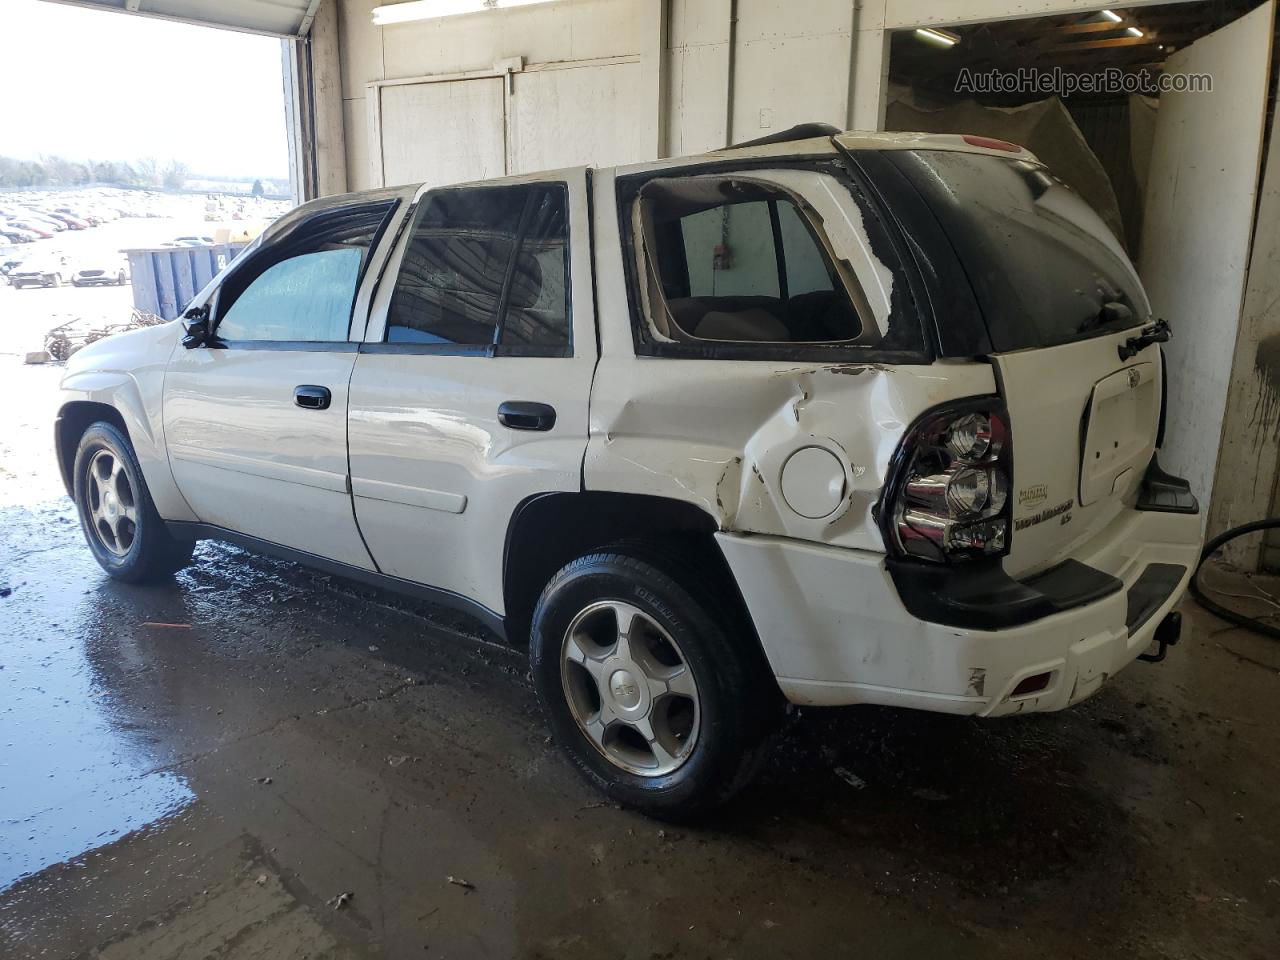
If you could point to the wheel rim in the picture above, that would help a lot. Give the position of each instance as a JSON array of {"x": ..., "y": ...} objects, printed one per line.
[
  {"x": 630, "y": 689},
  {"x": 112, "y": 505}
]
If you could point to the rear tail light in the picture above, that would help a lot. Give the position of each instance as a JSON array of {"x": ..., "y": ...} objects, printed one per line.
[{"x": 947, "y": 498}]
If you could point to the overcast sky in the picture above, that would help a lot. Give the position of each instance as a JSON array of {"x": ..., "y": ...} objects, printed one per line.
[{"x": 88, "y": 84}]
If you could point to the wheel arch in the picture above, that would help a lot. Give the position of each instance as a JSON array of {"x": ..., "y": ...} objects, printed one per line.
[
  {"x": 73, "y": 419},
  {"x": 549, "y": 530}
]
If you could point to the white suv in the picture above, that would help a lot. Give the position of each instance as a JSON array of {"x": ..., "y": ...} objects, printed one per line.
[{"x": 827, "y": 419}]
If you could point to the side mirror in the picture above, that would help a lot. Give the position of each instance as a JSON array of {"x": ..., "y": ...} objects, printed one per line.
[{"x": 197, "y": 326}]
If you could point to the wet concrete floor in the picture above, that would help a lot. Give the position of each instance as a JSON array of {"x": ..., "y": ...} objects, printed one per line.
[{"x": 259, "y": 761}]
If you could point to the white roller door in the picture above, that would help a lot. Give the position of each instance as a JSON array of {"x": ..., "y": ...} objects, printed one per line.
[
  {"x": 576, "y": 115},
  {"x": 442, "y": 132}
]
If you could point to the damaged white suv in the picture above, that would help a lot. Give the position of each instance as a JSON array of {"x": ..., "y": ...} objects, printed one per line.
[{"x": 827, "y": 418}]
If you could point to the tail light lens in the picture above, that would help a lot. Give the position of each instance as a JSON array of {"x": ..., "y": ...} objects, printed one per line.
[{"x": 947, "y": 498}]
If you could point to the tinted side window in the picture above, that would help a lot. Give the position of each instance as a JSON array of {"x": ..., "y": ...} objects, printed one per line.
[
  {"x": 485, "y": 266},
  {"x": 1044, "y": 266},
  {"x": 305, "y": 298},
  {"x": 301, "y": 285}
]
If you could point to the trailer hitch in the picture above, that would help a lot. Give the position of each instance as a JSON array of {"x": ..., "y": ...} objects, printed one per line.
[{"x": 1167, "y": 635}]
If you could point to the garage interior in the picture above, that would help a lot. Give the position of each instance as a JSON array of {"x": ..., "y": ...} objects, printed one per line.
[{"x": 300, "y": 766}]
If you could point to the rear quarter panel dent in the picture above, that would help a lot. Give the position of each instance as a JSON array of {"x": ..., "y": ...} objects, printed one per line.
[{"x": 717, "y": 434}]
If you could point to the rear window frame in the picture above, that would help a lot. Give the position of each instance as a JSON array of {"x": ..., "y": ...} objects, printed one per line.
[
  {"x": 1001, "y": 336},
  {"x": 627, "y": 188}
]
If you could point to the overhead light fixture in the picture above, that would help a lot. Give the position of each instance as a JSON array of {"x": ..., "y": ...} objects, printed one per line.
[
  {"x": 1112, "y": 16},
  {"x": 435, "y": 9},
  {"x": 942, "y": 38},
  {"x": 1133, "y": 32}
]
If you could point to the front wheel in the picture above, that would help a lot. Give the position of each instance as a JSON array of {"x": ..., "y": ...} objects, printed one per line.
[
  {"x": 651, "y": 681},
  {"x": 120, "y": 523}
]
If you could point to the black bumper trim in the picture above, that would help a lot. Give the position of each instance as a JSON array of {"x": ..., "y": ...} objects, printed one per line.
[
  {"x": 1152, "y": 588},
  {"x": 1162, "y": 492},
  {"x": 982, "y": 596}
]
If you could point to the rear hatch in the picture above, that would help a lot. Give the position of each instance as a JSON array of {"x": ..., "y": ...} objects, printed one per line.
[{"x": 1059, "y": 297}]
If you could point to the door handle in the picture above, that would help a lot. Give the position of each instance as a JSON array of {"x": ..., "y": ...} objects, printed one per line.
[
  {"x": 526, "y": 415},
  {"x": 312, "y": 397}
]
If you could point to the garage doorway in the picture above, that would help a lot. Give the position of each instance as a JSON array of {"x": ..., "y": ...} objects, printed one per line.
[
  {"x": 1174, "y": 172},
  {"x": 518, "y": 119}
]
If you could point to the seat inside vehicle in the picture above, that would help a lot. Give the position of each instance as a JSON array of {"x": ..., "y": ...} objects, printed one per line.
[{"x": 739, "y": 260}]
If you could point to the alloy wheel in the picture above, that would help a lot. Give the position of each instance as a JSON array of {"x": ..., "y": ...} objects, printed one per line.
[
  {"x": 112, "y": 505},
  {"x": 630, "y": 689}
]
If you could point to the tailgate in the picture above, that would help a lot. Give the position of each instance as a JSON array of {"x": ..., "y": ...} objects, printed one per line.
[{"x": 1084, "y": 428}]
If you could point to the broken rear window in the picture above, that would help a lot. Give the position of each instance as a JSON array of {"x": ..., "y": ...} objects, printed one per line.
[{"x": 773, "y": 259}]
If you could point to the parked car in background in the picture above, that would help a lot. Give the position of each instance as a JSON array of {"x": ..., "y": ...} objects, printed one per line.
[
  {"x": 38, "y": 228},
  {"x": 39, "y": 273},
  {"x": 189, "y": 242},
  {"x": 49, "y": 223},
  {"x": 72, "y": 222},
  {"x": 826, "y": 418},
  {"x": 100, "y": 271},
  {"x": 15, "y": 234}
]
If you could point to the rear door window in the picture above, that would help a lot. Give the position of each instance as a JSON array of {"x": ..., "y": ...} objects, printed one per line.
[
  {"x": 486, "y": 267},
  {"x": 1043, "y": 265}
]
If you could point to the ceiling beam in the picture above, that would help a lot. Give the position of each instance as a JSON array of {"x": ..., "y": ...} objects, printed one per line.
[
  {"x": 1109, "y": 44},
  {"x": 304, "y": 26}
]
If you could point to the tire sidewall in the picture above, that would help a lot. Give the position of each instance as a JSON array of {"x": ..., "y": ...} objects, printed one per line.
[
  {"x": 103, "y": 436},
  {"x": 723, "y": 690}
]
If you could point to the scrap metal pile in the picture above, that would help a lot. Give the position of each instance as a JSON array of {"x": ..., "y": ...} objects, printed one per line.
[{"x": 65, "y": 339}]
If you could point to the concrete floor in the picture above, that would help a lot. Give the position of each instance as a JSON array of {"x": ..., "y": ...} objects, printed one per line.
[{"x": 259, "y": 761}]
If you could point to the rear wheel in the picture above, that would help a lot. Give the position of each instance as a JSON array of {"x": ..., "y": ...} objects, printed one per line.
[
  {"x": 120, "y": 523},
  {"x": 651, "y": 681}
]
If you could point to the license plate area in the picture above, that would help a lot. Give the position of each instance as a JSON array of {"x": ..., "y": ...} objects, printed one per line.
[{"x": 1119, "y": 433}]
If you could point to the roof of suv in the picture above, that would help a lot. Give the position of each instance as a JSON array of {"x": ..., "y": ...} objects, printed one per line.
[{"x": 807, "y": 139}]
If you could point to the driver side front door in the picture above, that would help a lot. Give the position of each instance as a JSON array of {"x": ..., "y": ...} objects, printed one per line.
[{"x": 256, "y": 421}]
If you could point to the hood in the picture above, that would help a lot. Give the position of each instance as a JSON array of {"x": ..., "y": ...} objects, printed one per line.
[{"x": 125, "y": 351}]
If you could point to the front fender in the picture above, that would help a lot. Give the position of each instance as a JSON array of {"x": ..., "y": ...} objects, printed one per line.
[{"x": 126, "y": 373}]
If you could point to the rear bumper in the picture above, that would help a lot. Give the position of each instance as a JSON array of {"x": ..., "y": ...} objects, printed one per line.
[{"x": 836, "y": 631}]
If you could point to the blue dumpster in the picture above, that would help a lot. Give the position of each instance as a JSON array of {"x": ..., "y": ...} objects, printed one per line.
[{"x": 166, "y": 278}]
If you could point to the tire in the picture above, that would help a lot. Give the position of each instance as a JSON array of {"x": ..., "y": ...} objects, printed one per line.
[
  {"x": 697, "y": 756},
  {"x": 123, "y": 530}
]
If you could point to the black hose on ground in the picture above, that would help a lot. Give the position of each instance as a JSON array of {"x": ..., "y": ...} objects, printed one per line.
[{"x": 1217, "y": 609}]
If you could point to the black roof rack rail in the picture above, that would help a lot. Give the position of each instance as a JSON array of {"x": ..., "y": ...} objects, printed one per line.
[{"x": 801, "y": 131}]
